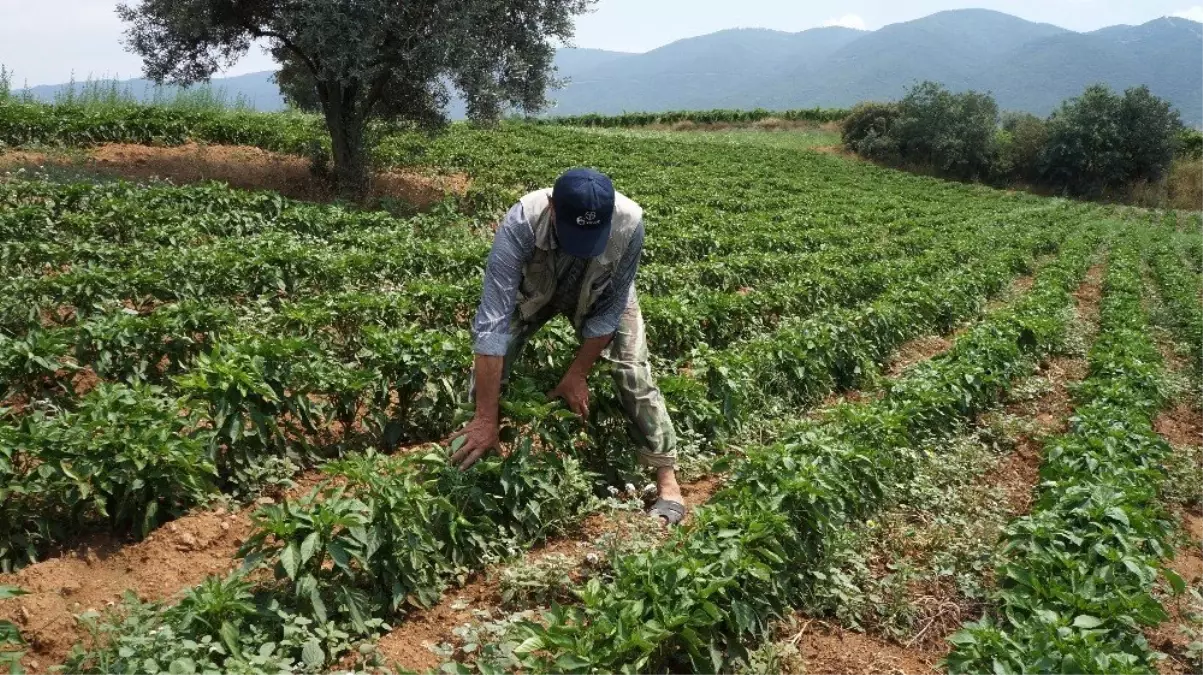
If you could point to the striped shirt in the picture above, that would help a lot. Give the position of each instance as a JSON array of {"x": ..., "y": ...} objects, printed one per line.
[{"x": 513, "y": 247}]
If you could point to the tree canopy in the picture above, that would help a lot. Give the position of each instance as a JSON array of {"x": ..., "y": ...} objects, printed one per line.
[{"x": 359, "y": 59}]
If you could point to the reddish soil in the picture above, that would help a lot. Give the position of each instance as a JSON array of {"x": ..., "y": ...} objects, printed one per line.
[
  {"x": 1167, "y": 637},
  {"x": 1090, "y": 293},
  {"x": 919, "y": 349},
  {"x": 92, "y": 577},
  {"x": 828, "y": 648},
  {"x": 1019, "y": 472},
  {"x": 241, "y": 166},
  {"x": 1180, "y": 425},
  {"x": 95, "y": 574}
]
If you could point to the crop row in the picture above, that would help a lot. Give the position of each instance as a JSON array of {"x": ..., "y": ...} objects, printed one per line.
[
  {"x": 80, "y": 125},
  {"x": 69, "y": 269},
  {"x": 1076, "y": 579},
  {"x": 695, "y": 602},
  {"x": 718, "y": 116},
  {"x": 261, "y": 395},
  {"x": 149, "y": 343},
  {"x": 1181, "y": 290},
  {"x": 370, "y": 581}
]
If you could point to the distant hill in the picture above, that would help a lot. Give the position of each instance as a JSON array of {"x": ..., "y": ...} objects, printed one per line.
[
  {"x": 955, "y": 48},
  {"x": 1028, "y": 66}
]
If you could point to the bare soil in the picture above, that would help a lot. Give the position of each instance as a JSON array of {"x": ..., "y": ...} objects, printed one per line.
[
  {"x": 1019, "y": 472},
  {"x": 917, "y": 350},
  {"x": 942, "y": 609},
  {"x": 1181, "y": 425},
  {"x": 95, "y": 576},
  {"x": 828, "y": 648},
  {"x": 240, "y": 166}
]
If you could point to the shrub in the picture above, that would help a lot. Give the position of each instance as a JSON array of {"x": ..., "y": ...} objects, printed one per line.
[
  {"x": 952, "y": 133},
  {"x": 866, "y": 130},
  {"x": 1190, "y": 144},
  {"x": 1101, "y": 142},
  {"x": 1020, "y": 142}
]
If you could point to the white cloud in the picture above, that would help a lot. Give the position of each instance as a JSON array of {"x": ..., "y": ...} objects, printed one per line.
[
  {"x": 854, "y": 21},
  {"x": 1193, "y": 13}
]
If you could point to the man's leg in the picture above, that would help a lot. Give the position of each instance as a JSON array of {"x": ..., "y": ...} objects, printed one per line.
[{"x": 641, "y": 399}]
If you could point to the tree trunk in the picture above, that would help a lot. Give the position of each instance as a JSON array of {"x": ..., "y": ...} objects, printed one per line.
[{"x": 347, "y": 126}]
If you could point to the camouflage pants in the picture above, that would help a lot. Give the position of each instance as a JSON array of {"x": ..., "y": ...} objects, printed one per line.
[{"x": 637, "y": 390}]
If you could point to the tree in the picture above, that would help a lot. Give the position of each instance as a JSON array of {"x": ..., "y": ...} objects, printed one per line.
[
  {"x": 866, "y": 130},
  {"x": 1151, "y": 134},
  {"x": 365, "y": 59},
  {"x": 1100, "y": 141},
  {"x": 953, "y": 133},
  {"x": 1021, "y": 140}
]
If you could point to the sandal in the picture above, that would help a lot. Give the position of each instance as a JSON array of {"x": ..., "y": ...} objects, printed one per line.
[{"x": 672, "y": 512}]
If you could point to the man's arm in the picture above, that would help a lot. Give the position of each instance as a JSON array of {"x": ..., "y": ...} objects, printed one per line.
[
  {"x": 512, "y": 246},
  {"x": 599, "y": 327},
  {"x": 574, "y": 387}
]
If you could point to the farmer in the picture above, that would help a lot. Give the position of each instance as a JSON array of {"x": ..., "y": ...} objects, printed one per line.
[{"x": 574, "y": 250}]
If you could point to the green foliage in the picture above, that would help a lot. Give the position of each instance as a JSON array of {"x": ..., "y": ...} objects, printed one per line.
[
  {"x": 294, "y": 334},
  {"x": 31, "y": 123},
  {"x": 10, "y": 637},
  {"x": 366, "y": 60},
  {"x": 952, "y": 133},
  {"x": 694, "y": 602},
  {"x": 1101, "y": 141},
  {"x": 817, "y": 115},
  {"x": 1095, "y": 145},
  {"x": 67, "y": 471},
  {"x": 1077, "y": 575},
  {"x": 866, "y": 130},
  {"x": 1191, "y": 143},
  {"x": 1020, "y": 142}
]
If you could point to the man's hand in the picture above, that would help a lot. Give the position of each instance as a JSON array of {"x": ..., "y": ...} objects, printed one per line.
[
  {"x": 480, "y": 436},
  {"x": 575, "y": 392}
]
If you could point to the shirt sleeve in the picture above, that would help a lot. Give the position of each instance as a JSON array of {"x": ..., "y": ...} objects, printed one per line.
[
  {"x": 513, "y": 246},
  {"x": 606, "y": 314}
]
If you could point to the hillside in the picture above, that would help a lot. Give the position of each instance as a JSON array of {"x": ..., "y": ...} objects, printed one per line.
[
  {"x": 956, "y": 48},
  {"x": 1028, "y": 66}
]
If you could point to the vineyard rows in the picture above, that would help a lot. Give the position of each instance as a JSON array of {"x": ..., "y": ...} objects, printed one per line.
[{"x": 166, "y": 348}]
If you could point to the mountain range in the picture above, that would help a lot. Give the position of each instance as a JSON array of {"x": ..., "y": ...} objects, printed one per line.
[{"x": 1027, "y": 66}]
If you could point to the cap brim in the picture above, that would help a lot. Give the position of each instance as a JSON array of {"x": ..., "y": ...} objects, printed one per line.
[{"x": 582, "y": 242}]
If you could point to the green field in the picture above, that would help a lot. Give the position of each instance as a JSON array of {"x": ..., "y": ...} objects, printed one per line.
[{"x": 170, "y": 350}]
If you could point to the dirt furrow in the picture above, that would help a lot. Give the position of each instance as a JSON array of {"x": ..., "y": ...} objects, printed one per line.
[
  {"x": 411, "y": 646},
  {"x": 175, "y": 557},
  {"x": 1181, "y": 425},
  {"x": 240, "y": 166},
  {"x": 97, "y": 572},
  {"x": 939, "y": 607}
]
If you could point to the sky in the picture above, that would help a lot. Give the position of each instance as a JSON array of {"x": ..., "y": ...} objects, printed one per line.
[{"x": 46, "y": 41}]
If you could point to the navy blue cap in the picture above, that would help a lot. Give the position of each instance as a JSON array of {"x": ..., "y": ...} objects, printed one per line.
[{"x": 584, "y": 206}]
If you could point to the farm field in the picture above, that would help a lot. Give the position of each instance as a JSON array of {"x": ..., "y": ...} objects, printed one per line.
[{"x": 938, "y": 425}]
